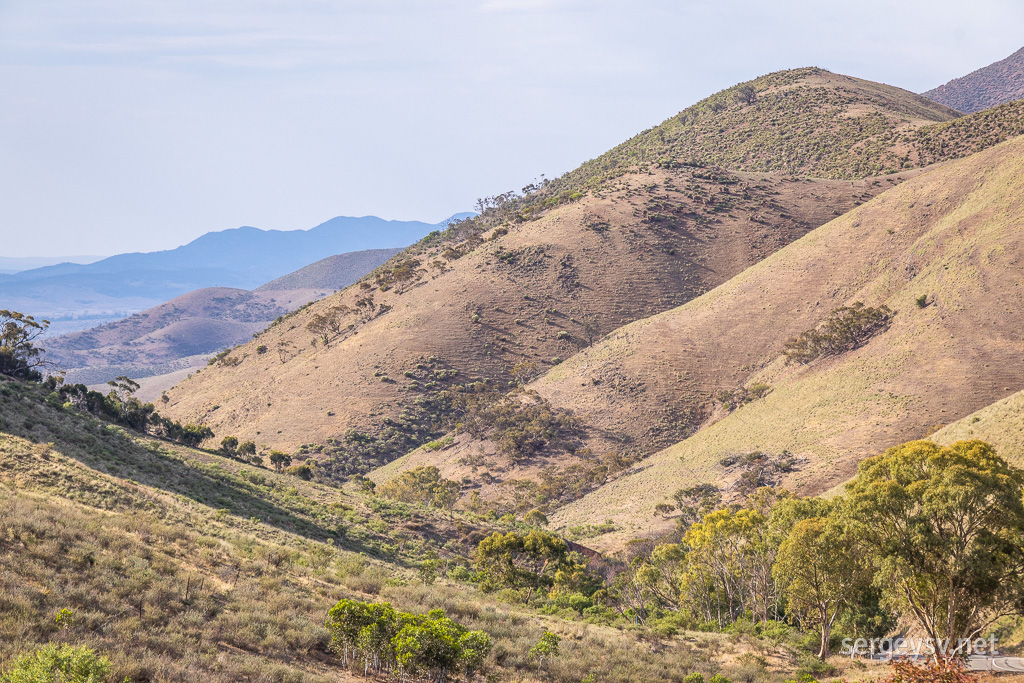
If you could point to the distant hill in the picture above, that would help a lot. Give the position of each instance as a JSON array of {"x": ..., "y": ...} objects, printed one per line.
[
  {"x": 639, "y": 231},
  {"x": 331, "y": 273},
  {"x": 17, "y": 264},
  {"x": 182, "y": 332},
  {"x": 987, "y": 87},
  {"x": 241, "y": 258}
]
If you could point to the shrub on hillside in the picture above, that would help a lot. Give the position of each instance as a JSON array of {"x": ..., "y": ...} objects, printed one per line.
[
  {"x": 424, "y": 486},
  {"x": 64, "y": 663},
  {"x": 844, "y": 329},
  {"x": 384, "y": 640}
]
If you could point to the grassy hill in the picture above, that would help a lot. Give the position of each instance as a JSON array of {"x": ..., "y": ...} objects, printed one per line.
[
  {"x": 987, "y": 87},
  {"x": 533, "y": 292},
  {"x": 536, "y": 279},
  {"x": 1001, "y": 424},
  {"x": 953, "y": 234},
  {"x": 181, "y": 333},
  {"x": 181, "y": 565}
]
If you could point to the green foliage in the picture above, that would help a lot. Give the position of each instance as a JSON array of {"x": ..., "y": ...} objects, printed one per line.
[
  {"x": 280, "y": 460},
  {"x": 844, "y": 329},
  {"x": 921, "y": 301},
  {"x": 58, "y": 664},
  {"x": 423, "y": 486},
  {"x": 546, "y": 648},
  {"x": 522, "y": 424},
  {"x": 536, "y": 518},
  {"x": 942, "y": 527},
  {"x": 19, "y": 356},
  {"x": 187, "y": 434},
  {"x": 229, "y": 445},
  {"x": 820, "y": 573},
  {"x": 516, "y": 560},
  {"x": 694, "y": 502},
  {"x": 386, "y": 640}
]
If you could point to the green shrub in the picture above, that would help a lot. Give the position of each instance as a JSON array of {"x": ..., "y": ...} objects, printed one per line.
[{"x": 59, "y": 664}]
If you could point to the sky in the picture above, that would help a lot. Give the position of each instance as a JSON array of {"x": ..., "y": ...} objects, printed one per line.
[{"x": 137, "y": 125}]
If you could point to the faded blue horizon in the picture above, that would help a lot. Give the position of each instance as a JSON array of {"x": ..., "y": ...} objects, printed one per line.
[{"x": 136, "y": 126}]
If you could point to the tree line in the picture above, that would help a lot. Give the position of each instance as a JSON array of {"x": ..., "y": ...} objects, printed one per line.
[{"x": 925, "y": 534}]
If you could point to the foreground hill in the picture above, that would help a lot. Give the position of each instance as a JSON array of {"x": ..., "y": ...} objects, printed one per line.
[
  {"x": 242, "y": 258},
  {"x": 181, "y": 333},
  {"x": 954, "y": 235},
  {"x": 987, "y": 87},
  {"x": 181, "y": 565},
  {"x": 645, "y": 228}
]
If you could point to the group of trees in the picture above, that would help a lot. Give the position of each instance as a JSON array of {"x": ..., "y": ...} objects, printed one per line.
[
  {"x": 386, "y": 641},
  {"x": 521, "y": 424},
  {"x": 844, "y": 329},
  {"x": 533, "y": 562},
  {"x": 423, "y": 486},
  {"x": 924, "y": 533},
  {"x": 121, "y": 406},
  {"x": 400, "y": 275}
]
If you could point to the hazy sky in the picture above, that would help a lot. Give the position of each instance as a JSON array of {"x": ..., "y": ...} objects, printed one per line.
[{"x": 133, "y": 125}]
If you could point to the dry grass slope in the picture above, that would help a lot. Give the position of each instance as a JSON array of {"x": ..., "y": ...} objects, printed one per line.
[
  {"x": 955, "y": 234},
  {"x": 182, "y": 566},
  {"x": 642, "y": 234}
]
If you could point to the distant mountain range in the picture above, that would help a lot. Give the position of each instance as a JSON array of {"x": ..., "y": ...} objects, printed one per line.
[
  {"x": 241, "y": 258},
  {"x": 985, "y": 88},
  {"x": 16, "y": 264},
  {"x": 166, "y": 342}
]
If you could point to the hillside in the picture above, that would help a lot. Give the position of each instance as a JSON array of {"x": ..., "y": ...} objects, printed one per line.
[
  {"x": 953, "y": 234},
  {"x": 805, "y": 122},
  {"x": 241, "y": 258},
  {"x": 182, "y": 332},
  {"x": 1001, "y": 424},
  {"x": 987, "y": 87},
  {"x": 533, "y": 295},
  {"x": 536, "y": 279},
  {"x": 332, "y": 273},
  {"x": 182, "y": 565}
]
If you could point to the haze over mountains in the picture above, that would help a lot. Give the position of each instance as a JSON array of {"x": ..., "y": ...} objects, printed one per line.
[
  {"x": 180, "y": 334},
  {"x": 242, "y": 258}
]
